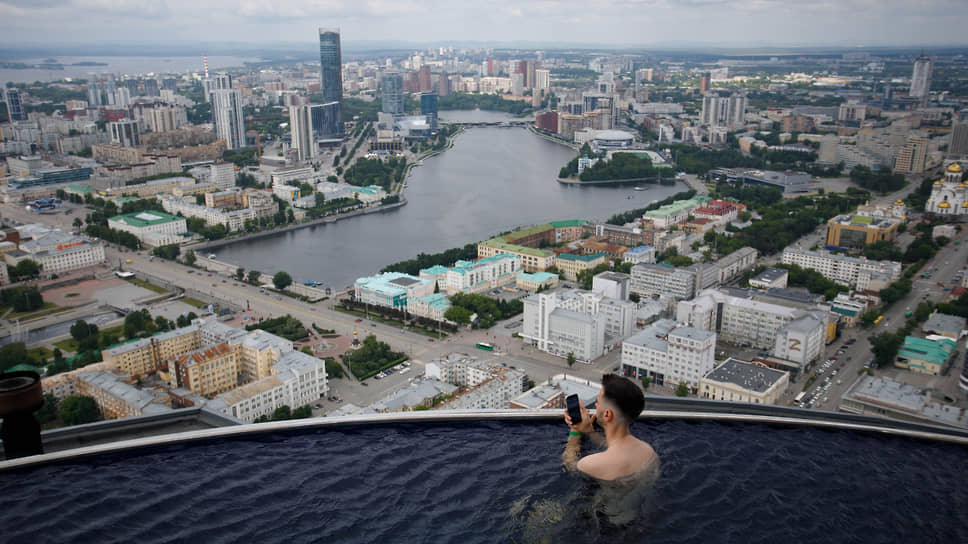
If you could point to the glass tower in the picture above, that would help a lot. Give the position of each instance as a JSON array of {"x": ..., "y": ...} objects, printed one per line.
[{"x": 331, "y": 71}]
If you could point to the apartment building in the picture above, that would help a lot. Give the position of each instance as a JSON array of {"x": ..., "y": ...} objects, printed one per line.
[
  {"x": 233, "y": 220},
  {"x": 741, "y": 381},
  {"x": 296, "y": 380},
  {"x": 206, "y": 371},
  {"x": 575, "y": 322},
  {"x": 669, "y": 353},
  {"x": 146, "y": 355},
  {"x": 258, "y": 351},
  {"x": 639, "y": 255},
  {"x": 736, "y": 263},
  {"x": 117, "y": 399},
  {"x": 854, "y": 272}
]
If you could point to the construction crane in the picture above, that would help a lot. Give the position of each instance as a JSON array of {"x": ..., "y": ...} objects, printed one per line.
[{"x": 258, "y": 135}]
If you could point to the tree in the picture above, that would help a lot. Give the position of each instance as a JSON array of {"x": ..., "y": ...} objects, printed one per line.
[
  {"x": 571, "y": 359},
  {"x": 47, "y": 412},
  {"x": 646, "y": 381},
  {"x": 459, "y": 315},
  {"x": 240, "y": 274},
  {"x": 78, "y": 222},
  {"x": 254, "y": 276},
  {"x": 190, "y": 258},
  {"x": 26, "y": 268},
  {"x": 78, "y": 409},
  {"x": 634, "y": 297},
  {"x": 281, "y": 280},
  {"x": 80, "y": 330},
  {"x": 185, "y": 320},
  {"x": 168, "y": 252},
  {"x": 682, "y": 390}
]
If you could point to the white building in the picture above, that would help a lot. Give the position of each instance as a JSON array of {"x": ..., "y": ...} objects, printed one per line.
[
  {"x": 575, "y": 322},
  {"x": 735, "y": 263},
  {"x": 752, "y": 323},
  {"x": 727, "y": 112},
  {"x": 663, "y": 280},
  {"x": 283, "y": 176},
  {"x": 227, "y": 113},
  {"x": 297, "y": 379},
  {"x": 669, "y": 353},
  {"x": 152, "y": 227},
  {"x": 950, "y": 195},
  {"x": 740, "y": 381},
  {"x": 234, "y": 220},
  {"x": 612, "y": 285},
  {"x": 222, "y": 175},
  {"x": 484, "y": 385},
  {"x": 641, "y": 254},
  {"x": 57, "y": 252},
  {"x": 854, "y": 272},
  {"x": 476, "y": 276},
  {"x": 301, "y": 127},
  {"x": 391, "y": 289}
]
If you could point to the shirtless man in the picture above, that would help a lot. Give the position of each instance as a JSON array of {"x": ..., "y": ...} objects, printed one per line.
[{"x": 619, "y": 402}]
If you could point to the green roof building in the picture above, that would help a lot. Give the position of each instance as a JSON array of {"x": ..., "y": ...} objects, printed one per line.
[{"x": 924, "y": 356}]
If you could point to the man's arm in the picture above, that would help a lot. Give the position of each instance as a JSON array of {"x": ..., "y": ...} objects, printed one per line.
[{"x": 569, "y": 457}]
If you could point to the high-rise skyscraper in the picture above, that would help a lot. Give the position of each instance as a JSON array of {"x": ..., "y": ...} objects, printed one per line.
[
  {"x": 331, "y": 71},
  {"x": 300, "y": 122},
  {"x": 959, "y": 139},
  {"x": 93, "y": 94},
  {"x": 443, "y": 84},
  {"x": 227, "y": 115},
  {"x": 423, "y": 78},
  {"x": 151, "y": 87},
  {"x": 169, "y": 84},
  {"x": 392, "y": 93},
  {"x": 214, "y": 83},
  {"x": 132, "y": 86},
  {"x": 125, "y": 132},
  {"x": 15, "y": 105},
  {"x": 122, "y": 97},
  {"x": 704, "y": 82},
  {"x": 728, "y": 112},
  {"x": 428, "y": 108},
  {"x": 326, "y": 121},
  {"x": 109, "y": 92},
  {"x": 921, "y": 77}
]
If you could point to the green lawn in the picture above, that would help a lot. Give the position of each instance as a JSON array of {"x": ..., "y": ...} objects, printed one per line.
[
  {"x": 70, "y": 345},
  {"x": 72, "y": 295},
  {"x": 148, "y": 286},
  {"x": 193, "y": 302},
  {"x": 40, "y": 353}
]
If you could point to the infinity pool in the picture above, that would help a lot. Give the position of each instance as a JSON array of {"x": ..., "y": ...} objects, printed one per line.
[{"x": 486, "y": 482}]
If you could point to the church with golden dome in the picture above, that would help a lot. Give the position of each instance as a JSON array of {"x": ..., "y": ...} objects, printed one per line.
[{"x": 949, "y": 196}]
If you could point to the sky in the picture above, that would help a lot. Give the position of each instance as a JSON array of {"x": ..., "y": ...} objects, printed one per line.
[{"x": 620, "y": 23}]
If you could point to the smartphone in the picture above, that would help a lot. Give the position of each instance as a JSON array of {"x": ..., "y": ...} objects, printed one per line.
[{"x": 574, "y": 408}]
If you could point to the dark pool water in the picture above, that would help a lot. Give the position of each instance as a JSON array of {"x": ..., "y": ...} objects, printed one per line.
[{"x": 495, "y": 482}]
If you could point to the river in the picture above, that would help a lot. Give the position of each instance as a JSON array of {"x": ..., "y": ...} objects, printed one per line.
[
  {"x": 491, "y": 180},
  {"x": 114, "y": 65}
]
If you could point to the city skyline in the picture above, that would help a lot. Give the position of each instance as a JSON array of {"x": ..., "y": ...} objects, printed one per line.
[{"x": 619, "y": 24}]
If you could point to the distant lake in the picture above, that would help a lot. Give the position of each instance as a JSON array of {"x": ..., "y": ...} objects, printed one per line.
[
  {"x": 132, "y": 66},
  {"x": 492, "y": 180}
]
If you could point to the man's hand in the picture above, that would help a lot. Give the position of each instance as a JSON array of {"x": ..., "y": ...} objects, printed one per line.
[{"x": 585, "y": 425}]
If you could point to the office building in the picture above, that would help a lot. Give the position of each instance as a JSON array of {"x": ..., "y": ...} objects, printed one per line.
[
  {"x": 613, "y": 285},
  {"x": 228, "y": 118},
  {"x": 428, "y": 108},
  {"x": 640, "y": 255},
  {"x": 443, "y": 84},
  {"x": 493, "y": 384},
  {"x": 925, "y": 355},
  {"x": 741, "y": 381},
  {"x": 391, "y": 289},
  {"x": 222, "y": 175},
  {"x": 958, "y": 147},
  {"x": 57, "y": 252},
  {"x": 668, "y": 353},
  {"x": 327, "y": 122},
  {"x": 881, "y": 396},
  {"x": 949, "y": 196},
  {"x": 392, "y": 93},
  {"x": 771, "y": 278},
  {"x": 553, "y": 325},
  {"x": 853, "y": 230},
  {"x": 746, "y": 322},
  {"x": 152, "y": 227},
  {"x": 475, "y": 276},
  {"x": 542, "y": 79},
  {"x": 301, "y": 130},
  {"x": 115, "y": 398},
  {"x": 532, "y": 259},
  {"x": 912, "y": 155},
  {"x": 571, "y": 265},
  {"x": 921, "y": 78},
  {"x": 654, "y": 280},
  {"x": 854, "y": 272},
  {"x": 538, "y": 280},
  {"x": 331, "y": 74},
  {"x": 206, "y": 371},
  {"x": 15, "y": 105}
]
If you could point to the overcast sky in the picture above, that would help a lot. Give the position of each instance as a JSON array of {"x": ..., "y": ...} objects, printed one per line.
[{"x": 612, "y": 22}]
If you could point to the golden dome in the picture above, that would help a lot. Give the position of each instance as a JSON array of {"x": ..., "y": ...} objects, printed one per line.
[
  {"x": 954, "y": 168},
  {"x": 964, "y": 204},
  {"x": 944, "y": 205},
  {"x": 938, "y": 182}
]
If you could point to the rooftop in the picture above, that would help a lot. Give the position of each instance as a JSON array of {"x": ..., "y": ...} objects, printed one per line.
[
  {"x": 770, "y": 275},
  {"x": 933, "y": 351},
  {"x": 575, "y": 257},
  {"x": 746, "y": 375},
  {"x": 146, "y": 218},
  {"x": 943, "y": 323}
]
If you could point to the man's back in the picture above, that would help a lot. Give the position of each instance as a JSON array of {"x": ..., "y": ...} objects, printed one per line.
[{"x": 624, "y": 457}]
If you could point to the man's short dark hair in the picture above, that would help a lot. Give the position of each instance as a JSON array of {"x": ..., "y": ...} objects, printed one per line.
[{"x": 624, "y": 394}]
